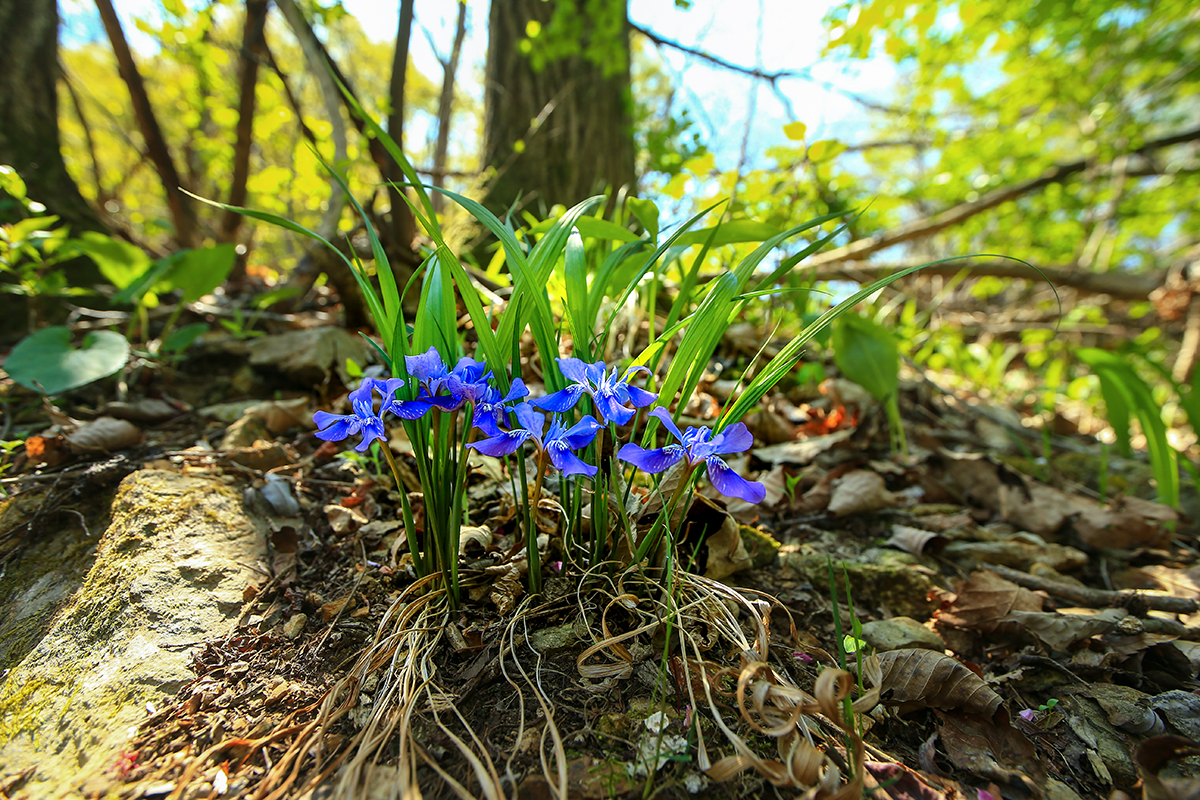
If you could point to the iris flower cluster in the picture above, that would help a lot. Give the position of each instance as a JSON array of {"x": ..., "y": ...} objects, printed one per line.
[{"x": 507, "y": 421}]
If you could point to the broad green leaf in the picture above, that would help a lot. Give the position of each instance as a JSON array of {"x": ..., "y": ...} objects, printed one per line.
[
  {"x": 867, "y": 354},
  {"x": 647, "y": 214},
  {"x": 181, "y": 339},
  {"x": 121, "y": 263},
  {"x": 198, "y": 272},
  {"x": 1125, "y": 392},
  {"x": 824, "y": 150},
  {"x": 20, "y": 231},
  {"x": 46, "y": 361}
]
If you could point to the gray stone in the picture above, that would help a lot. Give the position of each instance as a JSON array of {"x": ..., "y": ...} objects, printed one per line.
[
  {"x": 1182, "y": 710},
  {"x": 899, "y": 633},
  {"x": 165, "y": 577}
]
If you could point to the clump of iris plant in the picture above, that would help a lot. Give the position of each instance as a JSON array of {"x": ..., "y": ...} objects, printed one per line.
[{"x": 507, "y": 421}]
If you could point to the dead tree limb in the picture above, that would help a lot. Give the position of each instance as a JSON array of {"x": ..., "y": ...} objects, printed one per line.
[
  {"x": 182, "y": 212},
  {"x": 1117, "y": 284},
  {"x": 963, "y": 211},
  {"x": 1136, "y": 602}
]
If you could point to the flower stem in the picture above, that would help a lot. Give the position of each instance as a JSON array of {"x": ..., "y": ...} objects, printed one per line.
[{"x": 531, "y": 549}]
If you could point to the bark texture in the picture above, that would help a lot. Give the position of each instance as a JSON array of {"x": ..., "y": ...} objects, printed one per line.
[
  {"x": 562, "y": 133},
  {"x": 29, "y": 140},
  {"x": 254, "y": 45}
]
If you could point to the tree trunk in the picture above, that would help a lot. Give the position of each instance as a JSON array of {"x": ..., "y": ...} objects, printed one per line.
[
  {"x": 446, "y": 106},
  {"x": 580, "y": 141},
  {"x": 403, "y": 223},
  {"x": 29, "y": 140},
  {"x": 253, "y": 50},
  {"x": 182, "y": 213}
]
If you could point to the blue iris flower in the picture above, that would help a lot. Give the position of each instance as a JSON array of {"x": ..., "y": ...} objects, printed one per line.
[
  {"x": 556, "y": 441},
  {"x": 433, "y": 376},
  {"x": 700, "y": 445},
  {"x": 609, "y": 392},
  {"x": 364, "y": 420},
  {"x": 492, "y": 409}
]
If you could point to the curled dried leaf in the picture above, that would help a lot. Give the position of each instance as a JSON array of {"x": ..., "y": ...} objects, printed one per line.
[
  {"x": 986, "y": 599},
  {"x": 104, "y": 435},
  {"x": 914, "y": 679}
]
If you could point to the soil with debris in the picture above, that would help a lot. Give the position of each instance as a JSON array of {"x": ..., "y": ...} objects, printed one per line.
[{"x": 1011, "y": 633}]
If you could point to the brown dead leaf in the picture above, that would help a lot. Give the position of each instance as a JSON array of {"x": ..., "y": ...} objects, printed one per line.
[
  {"x": 49, "y": 450},
  {"x": 1024, "y": 502},
  {"x": 262, "y": 456},
  {"x": 1060, "y": 631},
  {"x": 104, "y": 435},
  {"x": 915, "y": 541},
  {"x": 858, "y": 492},
  {"x": 984, "y": 600},
  {"x": 1127, "y": 522},
  {"x": 343, "y": 520},
  {"x": 993, "y": 750},
  {"x": 915, "y": 678},
  {"x": 281, "y": 416},
  {"x": 726, "y": 552},
  {"x": 506, "y": 589},
  {"x": 474, "y": 539},
  {"x": 801, "y": 452},
  {"x": 148, "y": 409},
  {"x": 334, "y": 607}
]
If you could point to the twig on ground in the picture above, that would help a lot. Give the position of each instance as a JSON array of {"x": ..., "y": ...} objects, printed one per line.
[{"x": 1099, "y": 598}]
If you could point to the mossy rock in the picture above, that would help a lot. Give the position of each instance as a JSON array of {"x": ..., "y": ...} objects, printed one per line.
[
  {"x": 167, "y": 573},
  {"x": 893, "y": 584}
]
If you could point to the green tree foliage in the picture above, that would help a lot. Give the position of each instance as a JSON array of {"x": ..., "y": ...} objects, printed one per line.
[{"x": 192, "y": 82}]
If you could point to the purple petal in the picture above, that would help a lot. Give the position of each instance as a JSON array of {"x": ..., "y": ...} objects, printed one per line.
[
  {"x": 560, "y": 401},
  {"x": 664, "y": 417},
  {"x": 734, "y": 439},
  {"x": 640, "y": 398},
  {"x": 595, "y": 373},
  {"x": 372, "y": 430},
  {"x": 335, "y": 427},
  {"x": 652, "y": 461},
  {"x": 611, "y": 409},
  {"x": 515, "y": 392},
  {"x": 502, "y": 445},
  {"x": 408, "y": 409},
  {"x": 427, "y": 366},
  {"x": 362, "y": 397},
  {"x": 389, "y": 387},
  {"x": 446, "y": 402},
  {"x": 531, "y": 420},
  {"x": 486, "y": 421},
  {"x": 567, "y": 462},
  {"x": 581, "y": 433},
  {"x": 573, "y": 369},
  {"x": 730, "y": 484}
]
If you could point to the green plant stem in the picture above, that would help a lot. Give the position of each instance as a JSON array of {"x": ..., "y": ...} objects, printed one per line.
[
  {"x": 409, "y": 533},
  {"x": 169, "y": 325},
  {"x": 662, "y": 524},
  {"x": 531, "y": 550}
]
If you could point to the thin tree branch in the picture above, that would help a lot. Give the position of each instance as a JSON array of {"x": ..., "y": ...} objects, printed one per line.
[
  {"x": 88, "y": 140},
  {"x": 403, "y": 224},
  {"x": 771, "y": 78},
  {"x": 964, "y": 211},
  {"x": 293, "y": 101},
  {"x": 446, "y": 105},
  {"x": 253, "y": 42},
  {"x": 1117, "y": 284},
  {"x": 182, "y": 213}
]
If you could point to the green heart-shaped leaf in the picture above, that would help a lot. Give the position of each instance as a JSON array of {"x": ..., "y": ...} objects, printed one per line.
[{"x": 46, "y": 362}]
